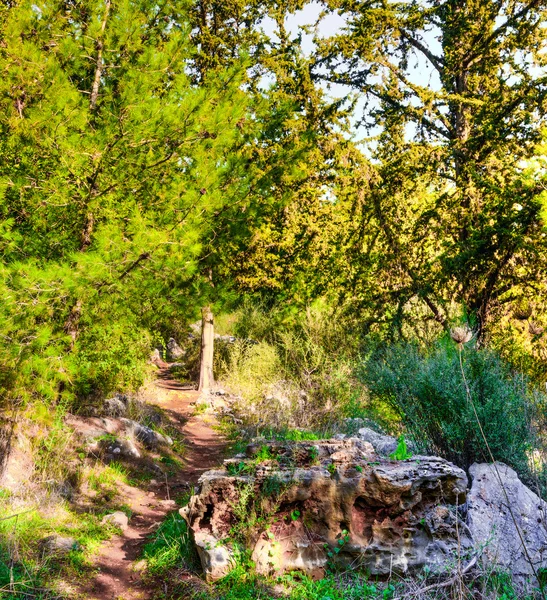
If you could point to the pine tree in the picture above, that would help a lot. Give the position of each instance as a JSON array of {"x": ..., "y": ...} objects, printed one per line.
[
  {"x": 114, "y": 168},
  {"x": 457, "y": 93}
]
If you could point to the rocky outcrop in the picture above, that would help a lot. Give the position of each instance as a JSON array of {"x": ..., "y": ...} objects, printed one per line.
[
  {"x": 329, "y": 502},
  {"x": 492, "y": 516},
  {"x": 383, "y": 444}
]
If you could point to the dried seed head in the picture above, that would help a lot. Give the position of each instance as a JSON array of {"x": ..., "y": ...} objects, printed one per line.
[{"x": 461, "y": 335}]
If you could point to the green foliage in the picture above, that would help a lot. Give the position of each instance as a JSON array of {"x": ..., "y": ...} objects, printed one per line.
[
  {"x": 401, "y": 452},
  {"x": 117, "y": 184},
  {"x": 264, "y": 453},
  {"x": 273, "y": 486},
  {"x": 452, "y": 210},
  {"x": 298, "y": 377},
  {"x": 22, "y": 564},
  {"x": 428, "y": 390},
  {"x": 313, "y": 454},
  {"x": 237, "y": 468},
  {"x": 170, "y": 547},
  {"x": 111, "y": 356},
  {"x": 342, "y": 541},
  {"x": 241, "y": 584},
  {"x": 295, "y": 515},
  {"x": 291, "y": 435}
]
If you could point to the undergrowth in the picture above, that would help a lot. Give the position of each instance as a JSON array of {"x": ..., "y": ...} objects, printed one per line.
[
  {"x": 291, "y": 375},
  {"x": 170, "y": 547},
  {"x": 25, "y": 570}
]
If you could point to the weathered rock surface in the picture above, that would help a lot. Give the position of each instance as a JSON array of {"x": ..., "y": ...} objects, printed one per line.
[
  {"x": 115, "y": 407},
  {"x": 118, "y": 519},
  {"x": 58, "y": 545},
  {"x": 174, "y": 351},
  {"x": 383, "y": 444},
  {"x": 492, "y": 525},
  {"x": 330, "y": 501},
  {"x": 148, "y": 437}
]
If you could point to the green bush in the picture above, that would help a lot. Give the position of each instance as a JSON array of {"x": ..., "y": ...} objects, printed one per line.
[
  {"x": 429, "y": 392},
  {"x": 293, "y": 372},
  {"x": 109, "y": 358}
]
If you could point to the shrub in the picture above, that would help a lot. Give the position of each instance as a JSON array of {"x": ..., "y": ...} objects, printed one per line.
[
  {"x": 296, "y": 372},
  {"x": 428, "y": 390},
  {"x": 110, "y": 358}
]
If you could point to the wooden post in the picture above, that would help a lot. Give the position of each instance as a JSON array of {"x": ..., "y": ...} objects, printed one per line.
[{"x": 206, "y": 377}]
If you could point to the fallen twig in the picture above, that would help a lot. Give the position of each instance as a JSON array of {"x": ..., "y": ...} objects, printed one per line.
[
  {"x": 442, "y": 584},
  {"x": 17, "y": 514}
]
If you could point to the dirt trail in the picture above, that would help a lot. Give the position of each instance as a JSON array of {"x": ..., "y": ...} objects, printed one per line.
[{"x": 116, "y": 578}]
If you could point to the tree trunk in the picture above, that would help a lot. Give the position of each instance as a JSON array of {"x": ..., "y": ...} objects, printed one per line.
[{"x": 206, "y": 378}]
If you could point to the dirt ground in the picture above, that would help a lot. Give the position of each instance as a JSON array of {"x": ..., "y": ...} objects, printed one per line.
[{"x": 116, "y": 577}]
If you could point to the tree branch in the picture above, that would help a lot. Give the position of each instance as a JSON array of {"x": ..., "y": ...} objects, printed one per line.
[{"x": 434, "y": 60}]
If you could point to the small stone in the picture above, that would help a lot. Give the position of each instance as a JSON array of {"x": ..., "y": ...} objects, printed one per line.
[
  {"x": 115, "y": 407},
  {"x": 147, "y": 436},
  {"x": 118, "y": 519},
  {"x": 58, "y": 545}
]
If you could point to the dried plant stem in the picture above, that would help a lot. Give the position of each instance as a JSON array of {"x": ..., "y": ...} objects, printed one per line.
[
  {"x": 14, "y": 516},
  {"x": 442, "y": 584}
]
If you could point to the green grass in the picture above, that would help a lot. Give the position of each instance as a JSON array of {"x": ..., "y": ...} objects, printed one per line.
[
  {"x": 24, "y": 571},
  {"x": 200, "y": 408},
  {"x": 243, "y": 584},
  {"x": 170, "y": 547}
]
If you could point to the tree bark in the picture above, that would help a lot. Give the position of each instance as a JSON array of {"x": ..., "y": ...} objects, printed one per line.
[{"x": 206, "y": 378}]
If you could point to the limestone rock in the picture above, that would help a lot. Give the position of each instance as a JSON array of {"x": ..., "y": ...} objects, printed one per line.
[
  {"x": 120, "y": 448},
  {"x": 115, "y": 407},
  {"x": 174, "y": 351},
  {"x": 492, "y": 525},
  {"x": 156, "y": 358},
  {"x": 58, "y": 545},
  {"x": 332, "y": 501},
  {"x": 147, "y": 436},
  {"x": 118, "y": 519},
  {"x": 215, "y": 557},
  {"x": 383, "y": 444}
]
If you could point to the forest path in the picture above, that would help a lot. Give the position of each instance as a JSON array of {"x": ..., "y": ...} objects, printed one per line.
[{"x": 116, "y": 578}]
